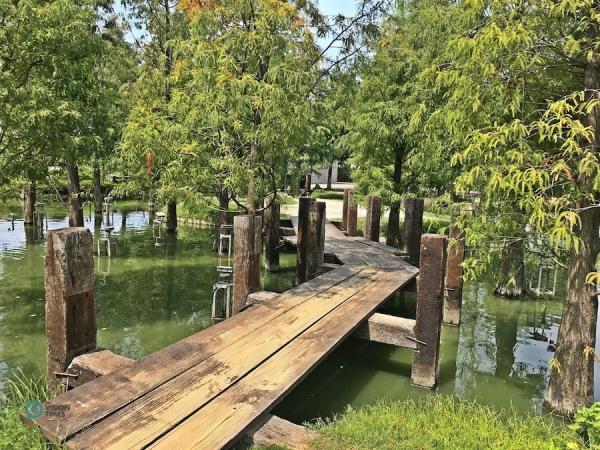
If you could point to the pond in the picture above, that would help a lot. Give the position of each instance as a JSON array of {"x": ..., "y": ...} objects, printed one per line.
[{"x": 149, "y": 296}]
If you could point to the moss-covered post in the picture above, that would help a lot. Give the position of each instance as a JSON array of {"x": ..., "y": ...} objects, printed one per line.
[
  {"x": 372, "y": 225},
  {"x": 430, "y": 299},
  {"x": 454, "y": 274},
  {"x": 413, "y": 228},
  {"x": 70, "y": 299},
  {"x": 247, "y": 243},
  {"x": 352, "y": 216},
  {"x": 272, "y": 236}
]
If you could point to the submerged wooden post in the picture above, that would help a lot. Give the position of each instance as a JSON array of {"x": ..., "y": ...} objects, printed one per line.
[
  {"x": 302, "y": 239},
  {"x": 352, "y": 216},
  {"x": 272, "y": 236},
  {"x": 430, "y": 298},
  {"x": 345, "y": 209},
  {"x": 310, "y": 244},
  {"x": 372, "y": 225},
  {"x": 70, "y": 299},
  {"x": 28, "y": 197},
  {"x": 413, "y": 228},
  {"x": 454, "y": 274},
  {"x": 247, "y": 240}
]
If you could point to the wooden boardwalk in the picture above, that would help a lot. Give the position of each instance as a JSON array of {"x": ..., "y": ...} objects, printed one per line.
[{"x": 205, "y": 391}]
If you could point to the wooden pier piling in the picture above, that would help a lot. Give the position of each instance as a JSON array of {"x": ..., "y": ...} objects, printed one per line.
[
  {"x": 320, "y": 235},
  {"x": 413, "y": 228},
  {"x": 372, "y": 225},
  {"x": 345, "y": 209},
  {"x": 352, "y": 216},
  {"x": 454, "y": 276},
  {"x": 302, "y": 250},
  {"x": 247, "y": 243},
  {"x": 430, "y": 298},
  {"x": 28, "y": 195},
  {"x": 172, "y": 216},
  {"x": 272, "y": 236},
  {"x": 310, "y": 239},
  {"x": 70, "y": 299}
]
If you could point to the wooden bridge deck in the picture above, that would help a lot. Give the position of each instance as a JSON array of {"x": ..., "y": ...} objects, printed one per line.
[{"x": 206, "y": 390}]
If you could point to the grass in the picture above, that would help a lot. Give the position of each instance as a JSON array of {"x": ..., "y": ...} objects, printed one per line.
[
  {"x": 14, "y": 435},
  {"x": 327, "y": 195},
  {"x": 441, "y": 422}
]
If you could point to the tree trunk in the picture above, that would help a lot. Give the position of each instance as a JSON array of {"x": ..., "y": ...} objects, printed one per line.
[
  {"x": 329, "y": 176},
  {"x": 511, "y": 282},
  {"x": 28, "y": 197},
  {"x": 307, "y": 182},
  {"x": 573, "y": 386},
  {"x": 172, "y": 216},
  {"x": 97, "y": 189},
  {"x": 393, "y": 230},
  {"x": 272, "y": 237},
  {"x": 73, "y": 188}
]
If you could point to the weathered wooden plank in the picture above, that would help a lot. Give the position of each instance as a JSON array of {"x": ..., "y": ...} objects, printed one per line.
[
  {"x": 388, "y": 329},
  {"x": 92, "y": 365},
  {"x": 90, "y": 404},
  {"x": 225, "y": 418},
  {"x": 154, "y": 414},
  {"x": 277, "y": 431}
]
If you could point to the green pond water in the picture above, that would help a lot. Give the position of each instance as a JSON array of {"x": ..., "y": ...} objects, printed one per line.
[{"x": 149, "y": 296}]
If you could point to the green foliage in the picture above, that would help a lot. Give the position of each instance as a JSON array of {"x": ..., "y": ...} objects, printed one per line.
[
  {"x": 587, "y": 425},
  {"x": 327, "y": 195},
  {"x": 13, "y": 432},
  {"x": 438, "y": 422}
]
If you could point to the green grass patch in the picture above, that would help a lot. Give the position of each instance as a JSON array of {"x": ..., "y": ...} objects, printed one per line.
[
  {"x": 327, "y": 195},
  {"x": 441, "y": 422},
  {"x": 13, "y": 433}
]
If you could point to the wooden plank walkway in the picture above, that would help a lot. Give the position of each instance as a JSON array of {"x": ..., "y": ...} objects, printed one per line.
[{"x": 206, "y": 390}]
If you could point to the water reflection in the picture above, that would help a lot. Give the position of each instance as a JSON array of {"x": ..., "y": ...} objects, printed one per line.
[{"x": 147, "y": 296}]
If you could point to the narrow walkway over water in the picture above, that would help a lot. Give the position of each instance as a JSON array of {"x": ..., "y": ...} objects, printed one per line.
[{"x": 206, "y": 390}]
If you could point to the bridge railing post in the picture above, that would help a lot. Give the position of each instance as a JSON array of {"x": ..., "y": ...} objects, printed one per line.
[
  {"x": 247, "y": 243},
  {"x": 70, "y": 299},
  {"x": 352, "y": 216},
  {"x": 454, "y": 274},
  {"x": 430, "y": 298},
  {"x": 345, "y": 209},
  {"x": 372, "y": 225},
  {"x": 413, "y": 228},
  {"x": 311, "y": 239}
]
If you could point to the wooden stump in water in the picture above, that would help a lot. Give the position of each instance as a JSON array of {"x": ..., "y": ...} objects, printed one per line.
[
  {"x": 28, "y": 196},
  {"x": 430, "y": 299},
  {"x": 70, "y": 299},
  {"x": 172, "y": 216}
]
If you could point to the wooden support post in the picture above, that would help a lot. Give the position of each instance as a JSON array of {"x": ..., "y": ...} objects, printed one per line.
[
  {"x": 372, "y": 229},
  {"x": 272, "y": 236},
  {"x": 320, "y": 234},
  {"x": 70, "y": 300},
  {"x": 247, "y": 243},
  {"x": 345, "y": 209},
  {"x": 352, "y": 217},
  {"x": 302, "y": 239},
  {"x": 454, "y": 276},
  {"x": 413, "y": 228},
  {"x": 430, "y": 299}
]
